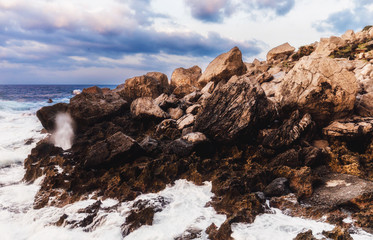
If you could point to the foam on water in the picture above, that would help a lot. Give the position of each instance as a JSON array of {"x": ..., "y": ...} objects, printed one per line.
[
  {"x": 277, "y": 226},
  {"x": 64, "y": 134}
]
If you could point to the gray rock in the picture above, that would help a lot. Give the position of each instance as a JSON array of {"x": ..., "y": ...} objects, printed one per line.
[{"x": 277, "y": 187}]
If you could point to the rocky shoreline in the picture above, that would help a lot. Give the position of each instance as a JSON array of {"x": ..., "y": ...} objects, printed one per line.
[{"x": 295, "y": 129}]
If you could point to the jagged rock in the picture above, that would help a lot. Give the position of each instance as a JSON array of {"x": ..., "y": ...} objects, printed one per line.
[
  {"x": 194, "y": 109},
  {"x": 185, "y": 121},
  {"x": 118, "y": 147},
  {"x": 327, "y": 45},
  {"x": 168, "y": 129},
  {"x": 181, "y": 91},
  {"x": 47, "y": 115},
  {"x": 264, "y": 77},
  {"x": 236, "y": 109},
  {"x": 88, "y": 109},
  {"x": 280, "y": 52},
  {"x": 195, "y": 137},
  {"x": 40, "y": 159},
  {"x": 364, "y": 105},
  {"x": 305, "y": 236},
  {"x": 338, "y": 234},
  {"x": 288, "y": 132},
  {"x": 149, "y": 144},
  {"x": 320, "y": 86},
  {"x": 223, "y": 67},
  {"x": 192, "y": 97},
  {"x": 92, "y": 90},
  {"x": 185, "y": 145},
  {"x": 152, "y": 85},
  {"x": 288, "y": 158},
  {"x": 352, "y": 127},
  {"x": 300, "y": 180},
  {"x": 175, "y": 113},
  {"x": 349, "y": 35},
  {"x": 164, "y": 101},
  {"x": 208, "y": 88},
  {"x": 277, "y": 187},
  {"x": 182, "y": 76},
  {"x": 146, "y": 108}
]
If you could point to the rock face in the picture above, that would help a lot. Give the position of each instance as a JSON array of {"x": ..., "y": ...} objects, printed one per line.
[
  {"x": 223, "y": 67},
  {"x": 288, "y": 132},
  {"x": 354, "y": 127},
  {"x": 182, "y": 76},
  {"x": 152, "y": 85},
  {"x": 146, "y": 108},
  {"x": 280, "y": 52},
  {"x": 321, "y": 87},
  {"x": 89, "y": 108},
  {"x": 236, "y": 109},
  {"x": 118, "y": 147},
  {"x": 48, "y": 114}
]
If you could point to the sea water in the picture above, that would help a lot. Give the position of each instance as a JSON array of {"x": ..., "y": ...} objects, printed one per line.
[{"x": 186, "y": 209}]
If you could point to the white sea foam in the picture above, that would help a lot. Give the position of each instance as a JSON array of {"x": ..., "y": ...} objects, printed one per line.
[
  {"x": 277, "y": 226},
  {"x": 77, "y": 91},
  {"x": 18, "y": 124},
  {"x": 64, "y": 134}
]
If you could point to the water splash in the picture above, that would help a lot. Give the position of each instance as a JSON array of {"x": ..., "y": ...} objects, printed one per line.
[{"x": 64, "y": 135}]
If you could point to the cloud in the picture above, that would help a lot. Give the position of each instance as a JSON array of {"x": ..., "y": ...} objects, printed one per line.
[
  {"x": 210, "y": 10},
  {"x": 217, "y": 10},
  {"x": 280, "y": 7},
  {"x": 360, "y": 15},
  {"x": 46, "y": 36}
]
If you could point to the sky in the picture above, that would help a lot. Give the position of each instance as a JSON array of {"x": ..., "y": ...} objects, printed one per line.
[{"x": 108, "y": 41}]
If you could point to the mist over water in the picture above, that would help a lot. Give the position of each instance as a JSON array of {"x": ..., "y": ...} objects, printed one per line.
[{"x": 64, "y": 135}]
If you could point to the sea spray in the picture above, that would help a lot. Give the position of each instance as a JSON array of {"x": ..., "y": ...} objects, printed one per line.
[{"x": 64, "y": 134}]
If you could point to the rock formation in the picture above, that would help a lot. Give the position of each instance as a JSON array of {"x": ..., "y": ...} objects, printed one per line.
[{"x": 291, "y": 130}]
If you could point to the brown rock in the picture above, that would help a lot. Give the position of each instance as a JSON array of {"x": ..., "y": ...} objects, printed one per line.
[
  {"x": 93, "y": 90},
  {"x": 337, "y": 234},
  {"x": 320, "y": 86},
  {"x": 351, "y": 128},
  {"x": 280, "y": 52},
  {"x": 182, "y": 90},
  {"x": 47, "y": 115},
  {"x": 146, "y": 108},
  {"x": 182, "y": 76},
  {"x": 87, "y": 109},
  {"x": 236, "y": 109},
  {"x": 118, "y": 147},
  {"x": 150, "y": 85},
  {"x": 175, "y": 113},
  {"x": 290, "y": 131},
  {"x": 305, "y": 236},
  {"x": 223, "y": 67}
]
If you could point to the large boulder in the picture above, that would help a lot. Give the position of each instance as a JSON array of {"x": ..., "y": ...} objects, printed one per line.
[
  {"x": 47, "y": 115},
  {"x": 280, "y": 52},
  {"x": 182, "y": 76},
  {"x": 328, "y": 45},
  {"x": 322, "y": 87},
  {"x": 118, "y": 147},
  {"x": 236, "y": 109},
  {"x": 146, "y": 108},
  {"x": 224, "y": 67},
  {"x": 152, "y": 85},
  {"x": 90, "y": 108}
]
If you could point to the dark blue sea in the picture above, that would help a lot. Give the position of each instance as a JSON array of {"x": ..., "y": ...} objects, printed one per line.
[{"x": 39, "y": 93}]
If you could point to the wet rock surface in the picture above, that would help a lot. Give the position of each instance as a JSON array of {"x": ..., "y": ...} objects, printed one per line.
[{"x": 293, "y": 131}]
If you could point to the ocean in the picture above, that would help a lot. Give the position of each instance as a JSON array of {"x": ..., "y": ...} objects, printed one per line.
[{"x": 186, "y": 212}]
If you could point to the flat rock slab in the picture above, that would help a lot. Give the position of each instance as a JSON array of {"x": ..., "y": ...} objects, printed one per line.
[{"x": 338, "y": 189}]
